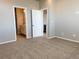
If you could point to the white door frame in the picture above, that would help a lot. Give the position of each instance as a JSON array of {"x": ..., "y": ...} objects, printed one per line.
[
  {"x": 47, "y": 21},
  {"x": 25, "y": 20}
]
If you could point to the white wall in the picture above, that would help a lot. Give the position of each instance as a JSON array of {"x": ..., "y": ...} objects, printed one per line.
[
  {"x": 7, "y": 22},
  {"x": 51, "y": 17},
  {"x": 32, "y": 4},
  {"x": 67, "y": 19},
  {"x": 7, "y": 31}
]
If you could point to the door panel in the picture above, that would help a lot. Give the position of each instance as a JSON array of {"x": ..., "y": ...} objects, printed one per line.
[{"x": 37, "y": 23}]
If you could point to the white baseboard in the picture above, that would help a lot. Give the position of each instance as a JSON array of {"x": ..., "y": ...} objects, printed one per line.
[
  {"x": 48, "y": 38},
  {"x": 7, "y": 42},
  {"x": 64, "y": 39},
  {"x": 51, "y": 37}
]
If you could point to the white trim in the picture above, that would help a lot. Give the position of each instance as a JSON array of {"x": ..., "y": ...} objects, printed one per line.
[
  {"x": 51, "y": 37},
  {"x": 47, "y": 20},
  {"x": 26, "y": 19},
  {"x": 14, "y": 23},
  {"x": 64, "y": 39},
  {"x": 7, "y": 42},
  {"x": 18, "y": 7},
  {"x": 68, "y": 39}
]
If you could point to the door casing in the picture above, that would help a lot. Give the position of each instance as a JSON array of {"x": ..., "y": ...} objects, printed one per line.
[{"x": 25, "y": 10}]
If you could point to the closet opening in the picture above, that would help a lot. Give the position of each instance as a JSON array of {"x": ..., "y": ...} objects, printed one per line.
[
  {"x": 20, "y": 22},
  {"x": 45, "y": 22}
]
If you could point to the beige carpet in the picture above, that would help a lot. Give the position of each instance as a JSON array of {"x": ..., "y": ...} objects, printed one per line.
[{"x": 40, "y": 48}]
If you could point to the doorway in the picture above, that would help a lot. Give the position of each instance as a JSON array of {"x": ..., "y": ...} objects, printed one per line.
[
  {"x": 20, "y": 23},
  {"x": 45, "y": 23},
  {"x": 40, "y": 23}
]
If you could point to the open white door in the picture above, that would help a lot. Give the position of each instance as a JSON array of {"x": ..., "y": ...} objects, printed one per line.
[{"x": 37, "y": 23}]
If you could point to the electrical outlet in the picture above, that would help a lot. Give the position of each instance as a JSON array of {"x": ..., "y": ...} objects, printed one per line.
[{"x": 74, "y": 35}]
